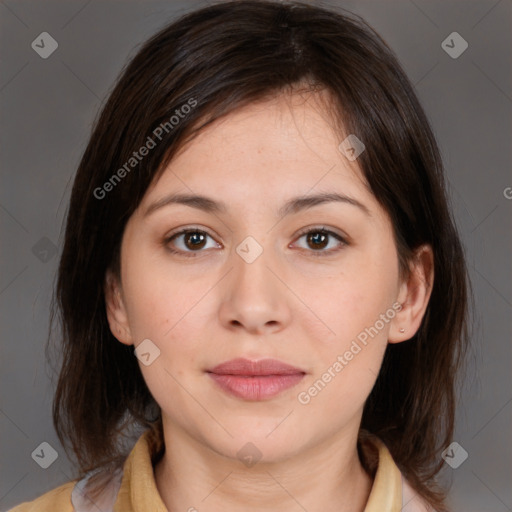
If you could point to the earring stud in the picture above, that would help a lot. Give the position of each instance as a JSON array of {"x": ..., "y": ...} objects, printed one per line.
[{"x": 402, "y": 329}]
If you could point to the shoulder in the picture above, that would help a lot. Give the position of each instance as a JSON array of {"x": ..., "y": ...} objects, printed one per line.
[
  {"x": 97, "y": 490},
  {"x": 390, "y": 486},
  {"x": 411, "y": 500},
  {"x": 77, "y": 496},
  {"x": 56, "y": 500}
]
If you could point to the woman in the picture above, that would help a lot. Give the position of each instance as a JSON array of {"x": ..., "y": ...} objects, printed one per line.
[{"x": 261, "y": 271}]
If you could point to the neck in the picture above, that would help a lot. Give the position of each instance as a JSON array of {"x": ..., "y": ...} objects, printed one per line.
[{"x": 328, "y": 477}]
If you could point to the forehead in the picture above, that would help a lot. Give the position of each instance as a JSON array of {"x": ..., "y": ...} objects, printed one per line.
[{"x": 281, "y": 147}]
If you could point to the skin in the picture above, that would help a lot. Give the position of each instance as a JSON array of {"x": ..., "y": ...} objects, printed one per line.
[{"x": 288, "y": 304}]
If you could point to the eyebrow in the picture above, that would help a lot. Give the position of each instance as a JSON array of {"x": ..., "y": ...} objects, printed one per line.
[{"x": 292, "y": 206}]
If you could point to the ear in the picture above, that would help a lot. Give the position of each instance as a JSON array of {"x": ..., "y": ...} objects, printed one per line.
[
  {"x": 116, "y": 310},
  {"x": 414, "y": 295}
]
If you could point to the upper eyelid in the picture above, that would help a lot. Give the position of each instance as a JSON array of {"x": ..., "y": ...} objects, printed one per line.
[
  {"x": 303, "y": 231},
  {"x": 320, "y": 228},
  {"x": 183, "y": 231}
]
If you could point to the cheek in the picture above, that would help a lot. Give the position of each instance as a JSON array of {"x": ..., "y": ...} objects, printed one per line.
[
  {"x": 353, "y": 300},
  {"x": 170, "y": 313},
  {"x": 157, "y": 301},
  {"x": 357, "y": 307},
  {"x": 345, "y": 372}
]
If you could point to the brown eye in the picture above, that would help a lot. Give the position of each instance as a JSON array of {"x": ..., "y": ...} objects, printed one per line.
[
  {"x": 194, "y": 240},
  {"x": 188, "y": 241},
  {"x": 317, "y": 239}
]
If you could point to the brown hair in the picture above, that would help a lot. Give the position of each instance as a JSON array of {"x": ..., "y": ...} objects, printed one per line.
[{"x": 218, "y": 59}]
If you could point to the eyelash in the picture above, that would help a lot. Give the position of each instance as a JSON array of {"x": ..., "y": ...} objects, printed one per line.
[{"x": 319, "y": 253}]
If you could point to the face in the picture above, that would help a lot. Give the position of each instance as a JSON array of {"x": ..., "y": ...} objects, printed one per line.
[{"x": 248, "y": 281}]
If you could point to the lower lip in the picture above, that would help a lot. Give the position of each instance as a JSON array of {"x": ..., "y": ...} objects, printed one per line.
[{"x": 256, "y": 388}]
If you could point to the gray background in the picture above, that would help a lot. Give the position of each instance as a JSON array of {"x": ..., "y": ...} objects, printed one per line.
[{"x": 48, "y": 106}]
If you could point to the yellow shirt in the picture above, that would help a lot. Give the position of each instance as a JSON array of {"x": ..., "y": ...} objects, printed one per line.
[{"x": 133, "y": 489}]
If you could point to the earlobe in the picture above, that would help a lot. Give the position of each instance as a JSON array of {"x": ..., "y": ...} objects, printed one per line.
[
  {"x": 414, "y": 296},
  {"x": 115, "y": 309}
]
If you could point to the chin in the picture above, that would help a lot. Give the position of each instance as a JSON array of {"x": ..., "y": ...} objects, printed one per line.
[{"x": 251, "y": 445}]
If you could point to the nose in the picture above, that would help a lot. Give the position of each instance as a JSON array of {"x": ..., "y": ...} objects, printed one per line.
[{"x": 255, "y": 297}]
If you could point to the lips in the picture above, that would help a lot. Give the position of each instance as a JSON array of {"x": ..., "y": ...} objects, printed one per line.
[
  {"x": 248, "y": 368},
  {"x": 255, "y": 380}
]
